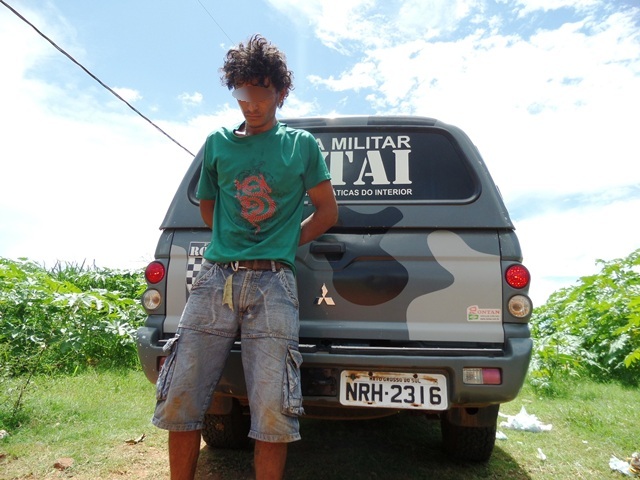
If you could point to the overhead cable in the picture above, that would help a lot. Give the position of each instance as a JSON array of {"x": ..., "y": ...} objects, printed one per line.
[
  {"x": 94, "y": 77},
  {"x": 214, "y": 20}
]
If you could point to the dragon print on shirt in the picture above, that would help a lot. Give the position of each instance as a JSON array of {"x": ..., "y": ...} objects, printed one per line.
[{"x": 253, "y": 193}]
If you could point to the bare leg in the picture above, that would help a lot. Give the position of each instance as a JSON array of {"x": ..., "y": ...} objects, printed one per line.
[
  {"x": 269, "y": 459},
  {"x": 184, "y": 448}
]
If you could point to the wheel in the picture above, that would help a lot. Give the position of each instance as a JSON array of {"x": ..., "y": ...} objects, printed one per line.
[
  {"x": 227, "y": 431},
  {"x": 464, "y": 443}
]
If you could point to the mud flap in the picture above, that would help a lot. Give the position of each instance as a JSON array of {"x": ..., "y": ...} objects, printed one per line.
[{"x": 292, "y": 385}]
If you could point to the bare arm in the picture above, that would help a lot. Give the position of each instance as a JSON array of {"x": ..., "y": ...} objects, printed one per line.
[
  {"x": 206, "y": 211},
  {"x": 325, "y": 215}
]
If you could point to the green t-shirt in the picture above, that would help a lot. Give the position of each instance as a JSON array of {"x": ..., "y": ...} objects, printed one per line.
[{"x": 258, "y": 184}]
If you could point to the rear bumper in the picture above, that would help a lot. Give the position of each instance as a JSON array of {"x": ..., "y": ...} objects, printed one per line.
[{"x": 513, "y": 362}]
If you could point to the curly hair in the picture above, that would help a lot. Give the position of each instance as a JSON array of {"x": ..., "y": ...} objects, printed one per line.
[{"x": 258, "y": 60}]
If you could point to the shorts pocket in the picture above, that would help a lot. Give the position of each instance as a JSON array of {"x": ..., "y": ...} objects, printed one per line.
[
  {"x": 292, "y": 386},
  {"x": 166, "y": 372},
  {"x": 288, "y": 281},
  {"x": 205, "y": 272}
]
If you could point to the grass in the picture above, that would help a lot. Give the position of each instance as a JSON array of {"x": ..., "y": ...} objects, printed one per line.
[{"x": 90, "y": 417}]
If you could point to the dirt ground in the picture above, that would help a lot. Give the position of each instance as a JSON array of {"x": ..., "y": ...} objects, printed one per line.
[{"x": 401, "y": 447}]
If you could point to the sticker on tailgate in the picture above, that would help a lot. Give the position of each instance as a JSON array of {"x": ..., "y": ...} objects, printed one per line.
[
  {"x": 393, "y": 390},
  {"x": 195, "y": 259},
  {"x": 476, "y": 314}
]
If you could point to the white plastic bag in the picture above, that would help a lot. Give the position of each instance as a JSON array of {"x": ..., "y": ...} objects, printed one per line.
[
  {"x": 524, "y": 421},
  {"x": 627, "y": 468}
]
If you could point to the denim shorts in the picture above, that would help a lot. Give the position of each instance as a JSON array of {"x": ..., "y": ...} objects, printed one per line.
[{"x": 261, "y": 306}]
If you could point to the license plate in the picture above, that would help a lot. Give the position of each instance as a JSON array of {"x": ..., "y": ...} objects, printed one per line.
[{"x": 393, "y": 390}]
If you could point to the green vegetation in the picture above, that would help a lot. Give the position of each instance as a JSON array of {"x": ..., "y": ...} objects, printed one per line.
[
  {"x": 89, "y": 418},
  {"x": 63, "y": 320},
  {"x": 591, "y": 329},
  {"x": 67, "y": 318},
  {"x": 70, "y": 386}
]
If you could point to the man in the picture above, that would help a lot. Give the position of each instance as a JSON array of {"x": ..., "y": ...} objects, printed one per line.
[{"x": 252, "y": 187}]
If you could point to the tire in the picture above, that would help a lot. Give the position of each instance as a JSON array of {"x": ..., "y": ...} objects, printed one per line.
[
  {"x": 227, "y": 431},
  {"x": 467, "y": 444}
]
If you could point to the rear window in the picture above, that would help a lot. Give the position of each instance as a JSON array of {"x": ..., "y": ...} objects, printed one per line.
[{"x": 403, "y": 165}]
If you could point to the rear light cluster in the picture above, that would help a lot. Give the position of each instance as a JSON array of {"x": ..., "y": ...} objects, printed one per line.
[
  {"x": 482, "y": 376},
  {"x": 518, "y": 277},
  {"x": 154, "y": 273}
]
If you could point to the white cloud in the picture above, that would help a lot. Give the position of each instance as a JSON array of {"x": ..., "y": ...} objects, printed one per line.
[
  {"x": 559, "y": 246},
  {"x": 551, "y": 111},
  {"x": 338, "y": 22},
  {"x": 80, "y": 179},
  {"x": 191, "y": 99},
  {"x": 430, "y": 18},
  {"x": 347, "y": 25},
  {"x": 558, "y": 104},
  {"x": 528, "y": 6},
  {"x": 362, "y": 75},
  {"x": 128, "y": 94},
  {"x": 294, "y": 106}
]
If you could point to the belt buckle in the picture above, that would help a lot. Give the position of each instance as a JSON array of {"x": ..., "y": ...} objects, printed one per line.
[{"x": 235, "y": 266}]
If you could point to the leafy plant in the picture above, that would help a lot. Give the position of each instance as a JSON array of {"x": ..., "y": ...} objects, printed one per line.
[
  {"x": 68, "y": 317},
  {"x": 592, "y": 328}
]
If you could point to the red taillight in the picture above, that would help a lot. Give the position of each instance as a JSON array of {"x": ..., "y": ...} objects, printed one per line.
[
  {"x": 155, "y": 272},
  {"x": 492, "y": 376},
  {"x": 517, "y": 276}
]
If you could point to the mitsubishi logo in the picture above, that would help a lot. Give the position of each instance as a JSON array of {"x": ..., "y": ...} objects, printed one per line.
[{"x": 328, "y": 300}]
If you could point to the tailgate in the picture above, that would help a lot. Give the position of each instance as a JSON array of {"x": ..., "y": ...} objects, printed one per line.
[{"x": 402, "y": 285}]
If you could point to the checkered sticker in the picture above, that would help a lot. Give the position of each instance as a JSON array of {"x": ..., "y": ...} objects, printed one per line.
[{"x": 195, "y": 260}]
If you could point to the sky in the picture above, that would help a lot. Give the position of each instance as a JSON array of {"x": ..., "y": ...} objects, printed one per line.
[{"x": 549, "y": 91}]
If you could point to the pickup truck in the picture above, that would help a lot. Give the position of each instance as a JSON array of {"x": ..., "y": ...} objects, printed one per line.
[{"x": 415, "y": 300}]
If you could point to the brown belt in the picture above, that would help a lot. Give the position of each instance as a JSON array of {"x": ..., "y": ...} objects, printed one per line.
[{"x": 255, "y": 265}]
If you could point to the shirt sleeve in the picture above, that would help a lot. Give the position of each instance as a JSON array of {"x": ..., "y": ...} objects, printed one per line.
[{"x": 316, "y": 170}]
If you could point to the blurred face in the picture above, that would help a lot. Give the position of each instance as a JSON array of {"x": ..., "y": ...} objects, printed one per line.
[{"x": 258, "y": 105}]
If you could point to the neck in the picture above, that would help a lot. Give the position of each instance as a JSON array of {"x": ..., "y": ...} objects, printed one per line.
[{"x": 247, "y": 130}]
